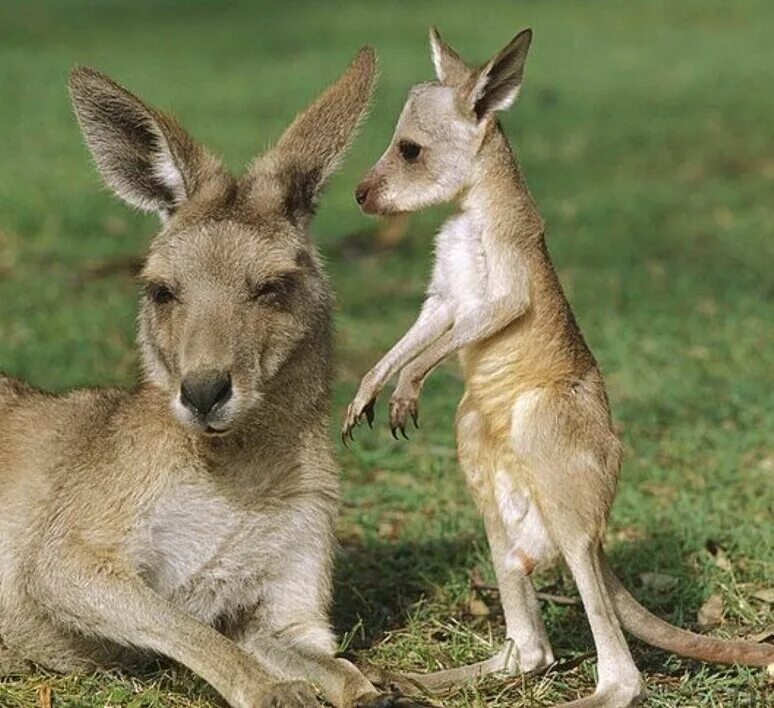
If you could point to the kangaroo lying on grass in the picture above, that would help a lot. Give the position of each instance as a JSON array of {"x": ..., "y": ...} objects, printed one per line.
[
  {"x": 534, "y": 433},
  {"x": 194, "y": 516}
]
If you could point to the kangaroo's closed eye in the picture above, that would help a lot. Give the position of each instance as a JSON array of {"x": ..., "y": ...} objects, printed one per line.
[
  {"x": 271, "y": 289},
  {"x": 409, "y": 150}
]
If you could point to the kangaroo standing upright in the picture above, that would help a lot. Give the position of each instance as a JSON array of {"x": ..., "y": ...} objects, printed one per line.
[
  {"x": 194, "y": 516},
  {"x": 534, "y": 433}
]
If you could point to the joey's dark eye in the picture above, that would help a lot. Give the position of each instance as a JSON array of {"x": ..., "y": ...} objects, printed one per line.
[
  {"x": 160, "y": 293},
  {"x": 409, "y": 150}
]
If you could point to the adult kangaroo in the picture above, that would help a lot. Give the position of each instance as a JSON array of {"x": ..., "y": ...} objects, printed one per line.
[{"x": 194, "y": 515}]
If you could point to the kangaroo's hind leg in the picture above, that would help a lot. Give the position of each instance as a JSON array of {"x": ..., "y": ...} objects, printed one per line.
[
  {"x": 573, "y": 457},
  {"x": 527, "y": 648},
  {"x": 519, "y": 542}
]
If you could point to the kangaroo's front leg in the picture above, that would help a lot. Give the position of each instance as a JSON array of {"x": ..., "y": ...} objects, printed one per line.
[
  {"x": 289, "y": 635},
  {"x": 469, "y": 328},
  {"x": 340, "y": 681},
  {"x": 95, "y": 593},
  {"x": 434, "y": 319}
]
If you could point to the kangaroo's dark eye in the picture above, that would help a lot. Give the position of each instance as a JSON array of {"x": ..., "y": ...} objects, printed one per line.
[
  {"x": 271, "y": 290},
  {"x": 265, "y": 290},
  {"x": 160, "y": 293},
  {"x": 409, "y": 150}
]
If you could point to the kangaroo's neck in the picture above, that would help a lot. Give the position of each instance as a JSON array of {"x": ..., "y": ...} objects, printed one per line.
[{"x": 498, "y": 193}]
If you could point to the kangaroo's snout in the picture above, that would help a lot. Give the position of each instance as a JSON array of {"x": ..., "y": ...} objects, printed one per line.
[
  {"x": 202, "y": 393},
  {"x": 366, "y": 193}
]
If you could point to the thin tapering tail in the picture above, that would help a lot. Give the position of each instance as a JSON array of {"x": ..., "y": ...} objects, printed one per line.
[{"x": 646, "y": 626}]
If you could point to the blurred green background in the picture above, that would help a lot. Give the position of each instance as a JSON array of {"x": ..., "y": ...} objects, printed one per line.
[{"x": 646, "y": 131}]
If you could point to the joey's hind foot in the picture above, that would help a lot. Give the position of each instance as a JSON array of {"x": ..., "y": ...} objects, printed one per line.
[
  {"x": 289, "y": 694},
  {"x": 621, "y": 695}
]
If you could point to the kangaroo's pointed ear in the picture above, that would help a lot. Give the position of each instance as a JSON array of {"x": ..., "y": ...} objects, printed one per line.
[
  {"x": 450, "y": 68},
  {"x": 144, "y": 156},
  {"x": 496, "y": 85},
  {"x": 312, "y": 146}
]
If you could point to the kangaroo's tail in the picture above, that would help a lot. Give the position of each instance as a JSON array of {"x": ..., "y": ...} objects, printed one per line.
[{"x": 646, "y": 626}]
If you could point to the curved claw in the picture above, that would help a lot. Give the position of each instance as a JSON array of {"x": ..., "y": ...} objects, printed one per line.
[
  {"x": 400, "y": 409},
  {"x": 352, "y": 420},
  {"x": 369, "y": 412}
]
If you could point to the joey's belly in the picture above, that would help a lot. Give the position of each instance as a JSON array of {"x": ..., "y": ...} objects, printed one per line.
[
  {"x": 501, "y": 482},
  {"x": 516, "y": 360}
]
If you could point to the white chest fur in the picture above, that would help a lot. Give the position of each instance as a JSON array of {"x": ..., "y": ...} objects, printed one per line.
[
  {"x": 205, "y": 551},
  {"x": 460, "y": 275}
]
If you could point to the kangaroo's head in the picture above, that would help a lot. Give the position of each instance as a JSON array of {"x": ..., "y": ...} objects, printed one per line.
[
  {"x": 235, "y": 302},
  {"x": 441, "y": 129}
]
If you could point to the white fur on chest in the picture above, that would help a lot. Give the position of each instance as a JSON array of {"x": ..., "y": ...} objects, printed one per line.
[
  {"x": 205, "y": 551},
  {"x": 475, "y": 268},
  {"x": 461, "y": 272}
]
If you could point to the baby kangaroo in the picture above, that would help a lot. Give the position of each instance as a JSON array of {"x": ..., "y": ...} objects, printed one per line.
[
  {"x": 193, "y": 516},
  {"x": 534, "y": 433}
]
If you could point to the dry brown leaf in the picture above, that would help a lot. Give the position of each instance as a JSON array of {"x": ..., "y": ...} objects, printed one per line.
[
  {"x": 711, "y": 612},
  {"x": 629, "y": 533},
  {"x": 761, "y": 636},
  {"x": 722, "y": 560},
  {"x": 658, "y": 581},
  {"x": 765, "y": 595},
  {"x": 388, "y": 530},
  {"x": 660, "y": 490},
  {"x": 477, "y": 607}
]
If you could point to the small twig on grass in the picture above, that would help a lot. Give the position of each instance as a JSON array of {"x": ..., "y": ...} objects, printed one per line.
[
  {"x": 558, "y": 599},
  {"x": 477, "y": 583}
]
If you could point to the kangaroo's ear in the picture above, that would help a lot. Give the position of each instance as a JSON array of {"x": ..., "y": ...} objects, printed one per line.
[
  {"x": 144, "y": 156},
  {"x": 496, "y": 85},
  {"x": 312, "y": 146},
  {"x": 450, "y": 68}
]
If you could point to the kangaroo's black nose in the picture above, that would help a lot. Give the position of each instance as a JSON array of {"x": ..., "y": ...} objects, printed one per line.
[
  {"x": 361, "y": 194},
  {"x": 202, "y": 392}
]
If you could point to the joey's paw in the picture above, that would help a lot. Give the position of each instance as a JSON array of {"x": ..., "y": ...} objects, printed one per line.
[
  {"x": 403, "y": 407},
  {"x": 288, "y": 694},
  {"x": 360, "y": 406}
]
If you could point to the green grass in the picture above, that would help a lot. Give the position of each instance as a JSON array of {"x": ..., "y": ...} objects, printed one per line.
[{"x": 646, "y": 132}]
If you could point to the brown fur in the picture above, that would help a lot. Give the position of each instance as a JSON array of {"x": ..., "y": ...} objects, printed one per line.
[
  {"x": 195, "y": 525},
  {"x": 534, "y": 431}
]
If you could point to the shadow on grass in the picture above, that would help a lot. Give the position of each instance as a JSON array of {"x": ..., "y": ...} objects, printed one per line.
[{"x": 378, "y": 585}]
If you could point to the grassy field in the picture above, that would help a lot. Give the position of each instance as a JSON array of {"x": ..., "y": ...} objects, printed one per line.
[{"x": 646, "y": 131}]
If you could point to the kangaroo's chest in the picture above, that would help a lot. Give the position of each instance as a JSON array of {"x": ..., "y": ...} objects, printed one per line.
[
  {"x": 207, "y": 552},
  {"x": 461, "y": 272}
]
